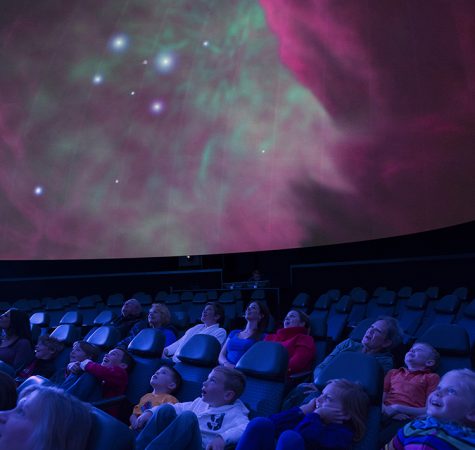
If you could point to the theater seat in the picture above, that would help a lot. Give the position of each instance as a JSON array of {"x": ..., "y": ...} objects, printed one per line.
[
  {"x": 453, "y": 344},
  {"x": 108, "y": 432},
  {"x": 105, "y": 337},
  {"x": 197, "y": 358},
  {"x": 265, "y": 366},
  {"x": 363, "y": 369}
]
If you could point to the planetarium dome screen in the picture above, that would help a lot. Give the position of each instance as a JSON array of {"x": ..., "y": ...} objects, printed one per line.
[{"x": 132, "y": 128}]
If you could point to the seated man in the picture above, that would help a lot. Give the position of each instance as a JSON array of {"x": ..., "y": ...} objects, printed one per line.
[
  {"x": 215, "y": 419},
  {"x": 382, "y": 336},
  {"x": 212, "y": 317},
  {"x": 131, "y": 313}
]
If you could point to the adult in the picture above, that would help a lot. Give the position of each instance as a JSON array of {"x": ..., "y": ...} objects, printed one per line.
[
  {"x": 45, "y": 418},
  {"x": 212, "y": 317},
  {"x": 130, "y": 314},
  {"x": 379, "y": 339},
  {"x": 239, "y": 341},
  {"x": 159, "y": 318},
  {"x": 15, "y": 343},
  {"x": 295, "y": 338}
]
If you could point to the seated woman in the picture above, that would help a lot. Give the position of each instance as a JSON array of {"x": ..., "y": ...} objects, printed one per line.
[
  {"x": 45, "y": 418},
  {"x": 16, "y": 349},
  {"x": 159, "y": 317},
  {"x": 46, "y": 351},
  {"x": 295, "y": 338},
  {"x": 239, "y": 341}
]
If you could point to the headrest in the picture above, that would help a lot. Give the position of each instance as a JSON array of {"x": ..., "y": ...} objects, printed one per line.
[
  {"x": 386, "y": 298},
  {"x": 461, "y": 293},
  {"x": 41, "y": 319},
  {"x": 186, "y": 296},
  {"x": 358, "y": 295},
  {"x": 180, "y": 319},
  {"x": 470, "y": 309},
  {"x": 87, "y": 302},
  {"x": 448, "y": 304},
  {"x": 53, "y": 304},
  {"x": 448, "y": 339},
  {"x": 405, "y": 292},
  {"x": 115, "y": 300},
  {"x": 417, "y": 300},
  {"x": 323, "y": 302},
  {"x": 104, "y": 337},
  {"x": 200, "y": 350},
  {"x": 301, "y": 300},
  {"x": 227, "y": 297},
  {"x": 318, "y": 326},
  {"x": 106, "y": 429},
  {"x": 67, "y": 334},
  {"x": 432, "y": 292},
  {"x": 71, "y": 318},
  {"x": 357, "y": 367},
  {"x": 200, "y": 297},
  {"x": 34, "y": 380},
  {"x": 344, "y": 305},
  {"x": 172, "y": 299},
  {"x": 268, "y": 360},
  {"x": 334, "y": 294},
  {"x": 104, "y": 317},
  {"x": 149, "y": 342}
]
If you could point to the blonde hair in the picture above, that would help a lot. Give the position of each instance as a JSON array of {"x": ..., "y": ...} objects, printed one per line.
[
  {"x": 234, "y": 380},
  {"x": 468, "y": 377},
  {"x": 164, "y": 312},
  {"x": 65, "y": 421},
  {"x": 355, "y": 402}
]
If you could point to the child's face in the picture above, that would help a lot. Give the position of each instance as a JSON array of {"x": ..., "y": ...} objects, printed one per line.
[
  {"x": 419, "y": 357},
  {"x": 77, "y": 353},
  {"x": 213, "y": 391},
  {"x": 42, "y": 351},
  {"x": 113, "y": 358},
  {"x": 330, "y": 398},
  {"x": 452, "y": 400},
  {"x": 162, "y": 380}
]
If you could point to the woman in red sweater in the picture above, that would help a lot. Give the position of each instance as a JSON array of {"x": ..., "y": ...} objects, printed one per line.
[{"x": 295, "y": 338}]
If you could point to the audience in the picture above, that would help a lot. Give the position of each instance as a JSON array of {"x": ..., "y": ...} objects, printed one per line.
[
  {"x": 165, "y": 382},
  {"x": 450, "y": 420},
  {"x": 295, "y": 338},
  {"x": 334, "y": 420},
  {"x": 15, "y": 343},
  {"x": 45, "y": 418},
  {"x": 8, "y": 393},
  {"x": 239, "y": 341},
  {"x": 130, "y": 314},
  {"x": 406, "y": 389},
  {"x": 46, "y": 351},
  {"x": 212, "y": 317},
  {"x": 215, "y": 419},
  {"x": 158, "y": 318}
]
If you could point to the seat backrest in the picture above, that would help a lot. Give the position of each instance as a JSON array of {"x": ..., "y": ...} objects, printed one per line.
[
  {"x": 265, "y": 365},
  {"x": 67, "y": 334},
  {"x": 197, "y": 358},
  {"x": 108, "y": 432},
  {"x": 105, "y": 337},
  {"x": 71, "y": 318},
  {"x": 452, "y": 342},
  {"x": 104, "y": 317},
  {"x": 42, "y": 319},
  {"x": 146, "y": 348},
  {"x": 301, "y": 301}
]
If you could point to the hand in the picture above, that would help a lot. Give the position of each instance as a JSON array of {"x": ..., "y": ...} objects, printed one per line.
[
  {"x": 143, "y": 419},
  {"x": 401, "y": 416},
  {"x": 74, "y": 367},
  {"x": 308, "y": 387},
  {"x": 216, "y": 444},
  {"x": 390, "y": 410},
  {"x": 331, "y": 415},
  {"x": 133, "y": 421},
  {"x": 228, "y": 364},
  {"x": 309, "y": 407}
]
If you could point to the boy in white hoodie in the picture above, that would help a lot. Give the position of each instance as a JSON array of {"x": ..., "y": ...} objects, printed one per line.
[{"x": 210, "y": 422}]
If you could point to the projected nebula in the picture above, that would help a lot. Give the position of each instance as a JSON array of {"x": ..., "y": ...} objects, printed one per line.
[{"x": 152, "y": 127}]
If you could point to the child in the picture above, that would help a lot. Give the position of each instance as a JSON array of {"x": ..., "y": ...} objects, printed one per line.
[
  {"x": 165, "y": 381},
  {"x": 215, "y": 419},
  {"x": 46, "y": 350},
  {"x": 450, "y": 421},
  {"x": 334, "y": 420},
  {"x": 406, "y": 390}
]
